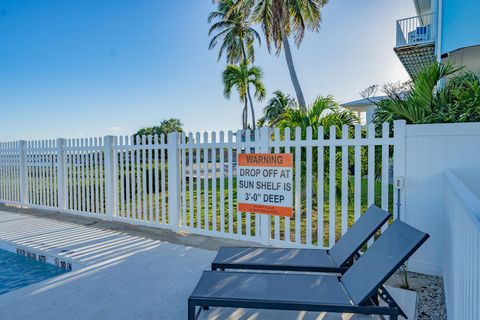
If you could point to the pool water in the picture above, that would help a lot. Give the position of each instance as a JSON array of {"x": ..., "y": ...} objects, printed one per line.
[{"x": 17, "y": 271}]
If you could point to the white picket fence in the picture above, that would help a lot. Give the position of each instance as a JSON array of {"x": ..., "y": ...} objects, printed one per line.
[{"x": 187, "y": 182}]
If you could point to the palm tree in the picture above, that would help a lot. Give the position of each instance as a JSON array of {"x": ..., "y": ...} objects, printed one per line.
[
  {"x": 233, "y": 29},
  {"x": 242, "y": 77},
  {"x": 324, "y": 111},
  {"x": 275, "y": 108},
  {"x": 281, "y": 18}
]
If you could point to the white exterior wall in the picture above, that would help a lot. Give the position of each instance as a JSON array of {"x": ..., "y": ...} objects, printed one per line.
[
  {"x": 430, "y": 150},
  {"x": 468, "y": 57}
]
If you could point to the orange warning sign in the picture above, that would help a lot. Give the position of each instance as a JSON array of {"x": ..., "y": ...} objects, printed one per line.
[{"x": 264, "y": 183}]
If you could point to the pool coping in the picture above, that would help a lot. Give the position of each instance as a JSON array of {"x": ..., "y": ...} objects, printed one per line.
[{"x": 41, "y": 256}]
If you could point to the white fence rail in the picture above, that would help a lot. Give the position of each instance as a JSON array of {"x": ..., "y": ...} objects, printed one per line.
[
  {"x": 188, "y": 181},
  {"x": 462, "y": 250}
]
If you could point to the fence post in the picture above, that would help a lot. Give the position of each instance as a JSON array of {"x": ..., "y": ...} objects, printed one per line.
[
  {"x": 399, "y": 157},
  {"x": 173, "y": 180},
  {"x": 22, "y": 144},
  {"x": 265, "y": 219},
  {"x": 110, "y": 170},
  {"x": 62, "y": 174}
]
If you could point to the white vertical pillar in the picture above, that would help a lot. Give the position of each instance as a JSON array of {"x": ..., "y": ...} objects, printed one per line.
[
  {"x": 62, "y": 174},
  {"x": 110, "y": 177},
  {"x": 265, "y": 219},
  {"x": 399, "y": 158},
  {"x": 173, "y": 161},
  {"x": 22, "y": 145}
]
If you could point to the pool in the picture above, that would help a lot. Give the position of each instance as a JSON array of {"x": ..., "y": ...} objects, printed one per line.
[{"x": 17, "y": 271}]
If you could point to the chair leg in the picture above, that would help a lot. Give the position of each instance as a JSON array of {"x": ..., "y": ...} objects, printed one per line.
[
  {"x": 394, "y": 315},
  {"x": 191, "y": 311}
]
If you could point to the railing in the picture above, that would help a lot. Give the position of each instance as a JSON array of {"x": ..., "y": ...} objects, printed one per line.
[
  {"x": 462, "y": 250},
  {"x": 187, "y": 182},
  {"x": 416, "y": 30}
]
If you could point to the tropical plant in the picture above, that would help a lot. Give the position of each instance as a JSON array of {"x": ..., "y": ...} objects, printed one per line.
[
  {"x": 324, "y": 111},
  {"x": 165, "y": 127},
  {"x": 439, "y": 94},
  {"x": 275, "y": 108},
  {"x": 279, "y": 19},
  {"x": 242, "y": 77},
  {"x": 232, "y": 28},
  {"x": 464, "y": 92}
]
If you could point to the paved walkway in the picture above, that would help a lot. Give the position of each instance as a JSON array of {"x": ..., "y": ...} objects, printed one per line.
[{"x": 120, "y": 274}]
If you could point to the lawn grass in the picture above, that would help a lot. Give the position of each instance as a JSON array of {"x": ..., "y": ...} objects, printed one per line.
[{"x": 281, "y": 221}]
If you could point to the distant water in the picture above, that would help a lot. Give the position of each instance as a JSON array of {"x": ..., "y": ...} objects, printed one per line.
[{"x": 17, "y": 271}]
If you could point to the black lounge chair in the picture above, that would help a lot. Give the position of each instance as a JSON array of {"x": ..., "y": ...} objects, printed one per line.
[
  {"x": 358, "y": 290},
  {"x": 335, "y": 260}
]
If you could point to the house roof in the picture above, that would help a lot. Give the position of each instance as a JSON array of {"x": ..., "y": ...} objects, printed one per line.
[
  {"x": 363, "y": 102},
  {"x": 423, "y": 7}
]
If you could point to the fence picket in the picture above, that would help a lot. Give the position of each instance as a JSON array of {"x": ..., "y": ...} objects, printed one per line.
[
  {"x": 88, "y": 182},
  {"x": 357, "y": 174},
  {"x": 344, "y": 179},
  {"x": 371, "y": 171},
  {"x": 288, "y": 238},
  {"x": 198, "y": 180},
  {"x": 156, "y": 174},
  {"x": 101, "y": 142},
  {"x": 184, "y": 179},
  {"x": 122, "y": 178},
  {"x": 308, "y": 189},
  {"x": 320, "y": 188},
  {"x": 385, "y": 169},
  {"x": 248, "y": 221},
  {"x": 230, "y": 182},
  {"x": 239, "y": 214},
  {"x": 138, "y": 169},
  {"x": 206, "y": 220},
  {"x": 143, "y": 166},
  {"x": 276, "y": 226},
  {"x": 163, "y": 178},
  {"x": 190, "y": 178},
  {"x": 332, "y": 190},
  {"x": 222, "y": 183},
  {"x": 131, "y": 179},
  {"x": 214, "y": 182}
]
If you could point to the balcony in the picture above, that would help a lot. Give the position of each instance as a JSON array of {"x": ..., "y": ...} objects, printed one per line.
[{"x": 415, "y": 46}]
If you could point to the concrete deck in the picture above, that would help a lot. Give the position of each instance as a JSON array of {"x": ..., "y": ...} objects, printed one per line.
[{"x": 119, "y": 271}]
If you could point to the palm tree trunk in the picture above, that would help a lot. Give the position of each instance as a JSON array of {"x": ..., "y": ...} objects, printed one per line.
[
  {"x": 251, "y": 108},
  {"x": 291, "y": 69},
  {"x": 248, "y": 88},
  {"x": 245, "y": 114}
]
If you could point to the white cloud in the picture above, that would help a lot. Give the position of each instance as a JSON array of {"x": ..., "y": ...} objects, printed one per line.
[{"x": 114, "y": 129}]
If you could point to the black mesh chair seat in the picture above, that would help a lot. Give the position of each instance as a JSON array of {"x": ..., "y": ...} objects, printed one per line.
[{"x": 335, "y": 260}]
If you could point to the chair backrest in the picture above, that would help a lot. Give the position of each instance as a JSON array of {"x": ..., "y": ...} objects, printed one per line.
[
  {"x": 381, "y": 260},
  {"x": 358, "y": 234}
]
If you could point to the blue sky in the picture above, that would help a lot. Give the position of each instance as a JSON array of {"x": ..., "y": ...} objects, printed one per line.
[{"x": 72, "y": 68}]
